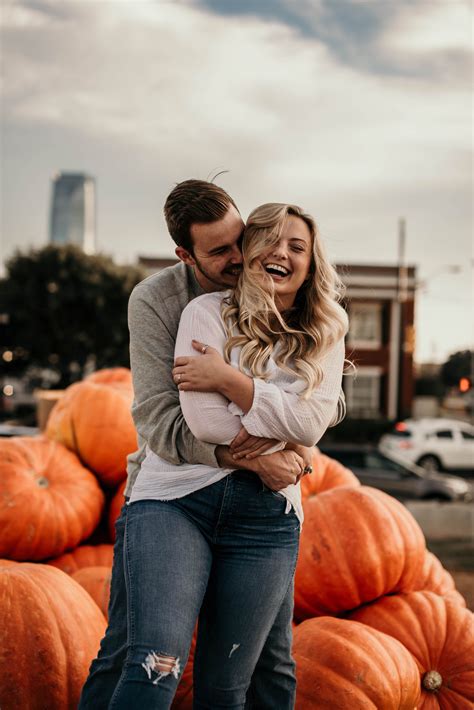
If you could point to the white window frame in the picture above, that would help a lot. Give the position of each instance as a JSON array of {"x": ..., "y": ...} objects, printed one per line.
[
  {"x": 375, "y": 374},
  {"x": 368, "y": 307}
]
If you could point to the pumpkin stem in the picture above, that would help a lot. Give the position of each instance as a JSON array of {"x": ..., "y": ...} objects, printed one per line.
[
  {"x": 42, "y": 482},
  {"x": 432, "y": 680}
]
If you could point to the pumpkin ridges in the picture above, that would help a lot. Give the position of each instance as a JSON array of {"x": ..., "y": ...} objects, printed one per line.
[
  {"x": 355, "y": 546},
  {"x": 339, "y": 665},
  {"x": 48, "y": 529},
  {"x": 84, "y": 556},
  {"x": 94, "y": 419},
  {"x": 96, "y": 581},
  {"x": 437, "y": 632},
  {"x": 327, "y": 474},
  {"x": 50, "y": 634},
  {"x": 435, "y": 578}
]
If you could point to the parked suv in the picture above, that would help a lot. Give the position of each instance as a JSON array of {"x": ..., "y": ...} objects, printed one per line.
[
  {"x": 398, "y": 479},
  {"x": 434, "y": 444}
]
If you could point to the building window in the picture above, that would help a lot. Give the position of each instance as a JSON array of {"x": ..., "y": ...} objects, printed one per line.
[
  {"x": 363, "y": 393},
  {"x": 365, "y": 325}
]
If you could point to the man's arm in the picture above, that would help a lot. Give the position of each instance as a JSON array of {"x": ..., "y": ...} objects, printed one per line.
[
  {"x": 156, "y": 410},
  {"x": 276, "y": 470}
]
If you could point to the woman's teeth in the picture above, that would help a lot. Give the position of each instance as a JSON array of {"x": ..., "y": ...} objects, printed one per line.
[{"x": 276, "y": 269}]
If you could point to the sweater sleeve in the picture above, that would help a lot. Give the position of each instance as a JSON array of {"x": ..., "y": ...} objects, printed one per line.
[
  {"x": 206, "y": 413},
  {"x": 282, "y": 414},
  {"x": 156, "y": 409}
]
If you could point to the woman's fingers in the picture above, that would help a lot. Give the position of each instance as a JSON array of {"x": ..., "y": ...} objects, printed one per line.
[
  {"x": 242, "y": 437},
  {"x": 260, "y": 450}
]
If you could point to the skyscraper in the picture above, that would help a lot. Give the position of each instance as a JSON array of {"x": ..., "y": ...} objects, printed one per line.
[{"x": 73, "y": 210}]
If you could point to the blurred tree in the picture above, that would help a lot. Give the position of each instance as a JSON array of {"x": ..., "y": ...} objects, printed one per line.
[
  {"x": 458, "y": 365},
  {"x": 62, "y": 308}
]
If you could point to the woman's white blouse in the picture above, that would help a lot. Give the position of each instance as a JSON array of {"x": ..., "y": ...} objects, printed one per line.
[{"x": 277, "y": 412}]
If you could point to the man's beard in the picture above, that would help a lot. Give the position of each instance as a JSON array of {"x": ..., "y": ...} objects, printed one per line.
[{"x": 219, "y": 281}]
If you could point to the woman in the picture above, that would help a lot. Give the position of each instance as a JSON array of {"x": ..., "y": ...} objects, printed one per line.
[{"x": 213, "y": 542}]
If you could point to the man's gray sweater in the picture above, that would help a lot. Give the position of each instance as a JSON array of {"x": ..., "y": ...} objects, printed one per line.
[{"x": 154, "y": 311}]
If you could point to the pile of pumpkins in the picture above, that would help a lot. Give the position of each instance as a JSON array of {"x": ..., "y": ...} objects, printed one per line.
[{"x": 378, "y": 622}]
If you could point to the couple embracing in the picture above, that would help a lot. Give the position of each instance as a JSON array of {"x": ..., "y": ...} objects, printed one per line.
[{"x": 237, "y": 355}]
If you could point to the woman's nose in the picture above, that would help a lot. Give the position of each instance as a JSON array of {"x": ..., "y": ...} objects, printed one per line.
[{"x": 280, "y": 251}]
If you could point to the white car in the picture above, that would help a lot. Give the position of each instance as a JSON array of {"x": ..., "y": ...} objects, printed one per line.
[{"x": 434, "y": 444}]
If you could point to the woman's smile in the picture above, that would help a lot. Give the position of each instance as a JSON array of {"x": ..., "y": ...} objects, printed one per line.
[{"x": 288, "y": 262}]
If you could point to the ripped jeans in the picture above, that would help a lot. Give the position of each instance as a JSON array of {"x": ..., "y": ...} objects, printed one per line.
[{"x": 226, "y": 553}]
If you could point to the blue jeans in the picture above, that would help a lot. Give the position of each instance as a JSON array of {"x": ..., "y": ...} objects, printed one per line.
[{"x": 227, "y": 553}]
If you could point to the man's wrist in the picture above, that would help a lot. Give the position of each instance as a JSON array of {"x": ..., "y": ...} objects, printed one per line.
[{"x": 226, "y": 460}]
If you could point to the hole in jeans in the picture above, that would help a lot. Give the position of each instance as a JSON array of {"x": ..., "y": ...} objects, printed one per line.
[{"x": 162, "y": 665}]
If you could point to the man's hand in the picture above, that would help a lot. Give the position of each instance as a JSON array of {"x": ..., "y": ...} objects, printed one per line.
[
  {"x": 276, "y": 470},
  {"x": 247, "y": 446},
  {"x": 306, "y": 453}
]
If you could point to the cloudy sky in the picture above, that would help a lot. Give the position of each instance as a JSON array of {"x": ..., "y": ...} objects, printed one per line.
[{"x": 359, "y": 110}]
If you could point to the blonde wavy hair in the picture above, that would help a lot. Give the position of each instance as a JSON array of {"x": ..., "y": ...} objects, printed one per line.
[{"x": 306, "y": 332}]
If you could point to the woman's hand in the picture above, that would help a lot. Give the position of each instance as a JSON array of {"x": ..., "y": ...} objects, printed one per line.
[
  {"x": 247, "y": 446},
  {"x": 206, "y": 372}
]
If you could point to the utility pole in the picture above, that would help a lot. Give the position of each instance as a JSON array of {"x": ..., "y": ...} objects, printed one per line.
[{"x": 402, "y": 295}]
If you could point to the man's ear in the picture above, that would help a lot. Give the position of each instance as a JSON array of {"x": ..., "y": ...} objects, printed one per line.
[{"x": 184, "y": 255}]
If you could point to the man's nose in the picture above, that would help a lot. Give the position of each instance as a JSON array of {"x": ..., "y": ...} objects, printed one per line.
[{"x": 236, "y": 256}]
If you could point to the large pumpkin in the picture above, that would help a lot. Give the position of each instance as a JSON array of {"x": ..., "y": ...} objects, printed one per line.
[
  {"x": 439, "y": 633},
  {"x": 327, "y": 474},
  {"x": 50, "y": 630},
  {"x": 116, "y": 505},
  {"x": 111, "y": 375},
  {"x": 94, "y": 420},
  {"x": 356, "y": 545},
  {"x": 84, "y": 556},
  {"x": 96, "y": 582},
  {"x": 339, "y": 666},
  {"x": 434, "y": 578},
  {"x": 48, "y": 501}
]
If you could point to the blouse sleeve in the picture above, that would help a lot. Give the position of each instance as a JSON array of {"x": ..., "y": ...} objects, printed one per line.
[
  {"x": 206, "y": 413},
  {"x": 281, "y": 414}
]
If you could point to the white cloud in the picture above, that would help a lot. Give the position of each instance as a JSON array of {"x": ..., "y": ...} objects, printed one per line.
[
  {"x": 431, "y": 26},
  {"x": 195, "y": 87},
  {"x": 176, "y": 91}
]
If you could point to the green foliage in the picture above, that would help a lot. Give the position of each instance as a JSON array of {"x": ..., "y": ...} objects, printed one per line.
[
  {"x": 65, "y": 307},
  {"x": 458, "y": 365}
]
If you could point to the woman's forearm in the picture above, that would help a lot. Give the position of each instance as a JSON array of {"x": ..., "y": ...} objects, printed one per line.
[{"x": 238, "y": 388}]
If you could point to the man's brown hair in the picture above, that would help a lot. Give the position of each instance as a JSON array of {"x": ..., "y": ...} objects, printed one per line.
[{"x": 194, "y": 202}]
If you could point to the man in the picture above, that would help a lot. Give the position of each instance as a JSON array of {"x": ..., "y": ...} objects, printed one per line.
[{"x": 207, "y": 228}]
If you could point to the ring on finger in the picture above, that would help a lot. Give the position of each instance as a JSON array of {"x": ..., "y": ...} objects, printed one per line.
[
  {"x": 178, "y": 378},
  {"x": 204, "y": 348},
  {"x": 308, "y": 469}
]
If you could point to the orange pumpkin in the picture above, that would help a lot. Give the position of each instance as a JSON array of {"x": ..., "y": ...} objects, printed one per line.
[
  {"x": 327, "y": 474},
  {"x": 48, "y": 501},
  {"x": 50, "y": 632},
  {"x": 434, "y": 578},
  {"x": 439, "y": 633},
  {"x": 84, "y": 556},
  {"x": 111, "y": 375},
  {"x": 96, "y": 582},
  {"x": 115, "y": 507},
  {"x": 356, "y": 545},
  {"x": 94, "y": 420},
  {"x": 340, "y": 665}
]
